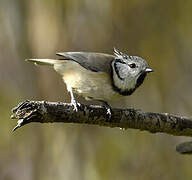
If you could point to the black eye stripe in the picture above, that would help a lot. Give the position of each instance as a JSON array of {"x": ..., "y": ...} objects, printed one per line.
[
  {"x": 120, "y": 68},
  {"x": 117, "y": 70},
  {"x": 119, "y": 61}
]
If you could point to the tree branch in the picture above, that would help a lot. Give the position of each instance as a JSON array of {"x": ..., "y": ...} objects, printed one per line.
[
  {"x": 45, "y": 112},
  {"x": 50, "y": 112}
]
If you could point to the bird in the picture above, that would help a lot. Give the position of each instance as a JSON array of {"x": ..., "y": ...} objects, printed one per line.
[{"x": 98, "y": 76}]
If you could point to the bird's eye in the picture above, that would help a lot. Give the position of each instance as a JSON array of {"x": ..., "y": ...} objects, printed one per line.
[{"x": 133, "y": 65}]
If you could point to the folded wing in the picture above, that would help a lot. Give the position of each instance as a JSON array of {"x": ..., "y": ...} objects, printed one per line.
[{"x": 97, "y": 62}]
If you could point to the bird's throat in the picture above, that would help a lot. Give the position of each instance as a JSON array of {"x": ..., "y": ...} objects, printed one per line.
[{"x": 129, "y": 90}]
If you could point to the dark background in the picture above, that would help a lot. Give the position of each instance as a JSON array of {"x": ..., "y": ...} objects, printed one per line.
[{"x": 159, "y": 31}]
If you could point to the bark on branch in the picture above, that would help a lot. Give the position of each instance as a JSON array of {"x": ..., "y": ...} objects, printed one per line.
[{"x": 50, "y": 112}]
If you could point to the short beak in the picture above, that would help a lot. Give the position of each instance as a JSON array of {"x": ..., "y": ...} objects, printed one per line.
[{"x": 148, "y": 70}]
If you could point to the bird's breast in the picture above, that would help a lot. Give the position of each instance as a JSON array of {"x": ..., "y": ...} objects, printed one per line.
[{"x": 87, "y": 83}]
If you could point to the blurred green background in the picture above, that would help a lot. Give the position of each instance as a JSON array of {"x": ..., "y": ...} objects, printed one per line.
[{"x": 159, "y": 31}]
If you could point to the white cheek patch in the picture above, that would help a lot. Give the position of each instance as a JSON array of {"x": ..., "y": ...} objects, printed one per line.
[{"x": 122, "y": 70}]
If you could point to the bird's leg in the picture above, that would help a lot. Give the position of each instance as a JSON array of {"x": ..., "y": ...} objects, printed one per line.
[{"x": 73, "y": 101}]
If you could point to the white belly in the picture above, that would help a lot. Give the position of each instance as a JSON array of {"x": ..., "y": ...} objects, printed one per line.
[{"x": 86, "y": 83}]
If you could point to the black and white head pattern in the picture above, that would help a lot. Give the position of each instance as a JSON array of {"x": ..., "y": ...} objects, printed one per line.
[{"x": 128, "y": 72}]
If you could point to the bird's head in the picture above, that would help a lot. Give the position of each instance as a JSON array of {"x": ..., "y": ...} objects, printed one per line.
[{"x": 128, "y": 72}]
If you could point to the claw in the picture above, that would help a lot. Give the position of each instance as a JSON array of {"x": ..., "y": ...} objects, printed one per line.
[
  {"x": 108, "y": 109},
  {"x": 75, "y": 105}
]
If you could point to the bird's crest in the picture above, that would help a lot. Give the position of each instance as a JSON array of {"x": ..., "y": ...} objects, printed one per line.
[{"x": 123, "y": 55}]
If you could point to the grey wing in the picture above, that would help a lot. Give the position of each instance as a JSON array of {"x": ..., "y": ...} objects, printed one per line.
[{"x": 97, "y": 62}]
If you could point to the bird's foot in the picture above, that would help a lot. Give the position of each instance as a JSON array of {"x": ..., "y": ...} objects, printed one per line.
[
  {"x": 108, "y": 109},
  {"x": 75, "y": 104}
]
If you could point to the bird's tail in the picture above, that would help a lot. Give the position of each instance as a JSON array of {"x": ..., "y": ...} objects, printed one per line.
[{"x": 50, "y": 62}]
